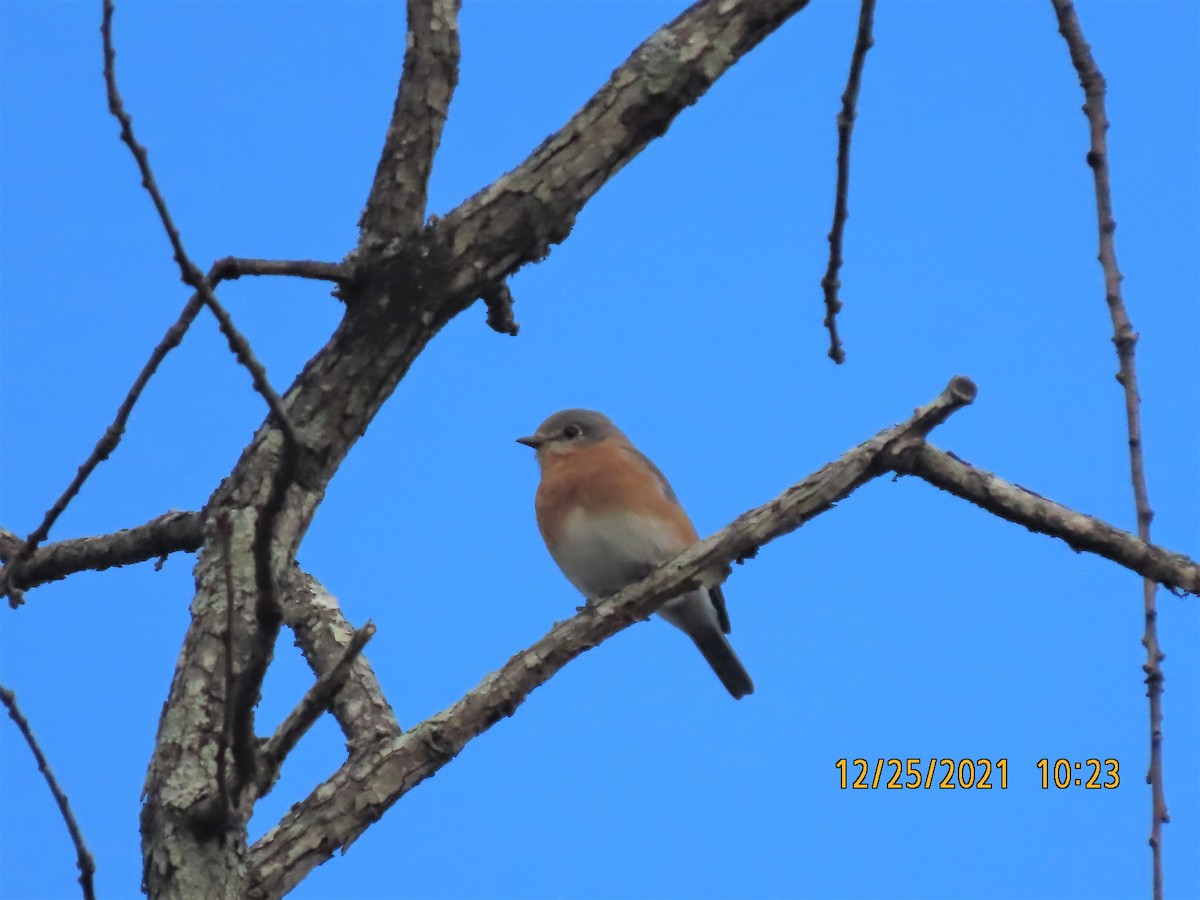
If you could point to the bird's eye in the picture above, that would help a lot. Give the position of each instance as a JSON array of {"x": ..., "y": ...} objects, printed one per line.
[{"x": 571, "y": 432}]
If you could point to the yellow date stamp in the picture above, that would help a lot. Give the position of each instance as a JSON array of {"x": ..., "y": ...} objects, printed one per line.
[
  {"x": 919, "y": 773},
  {"x": 1091, "y": 774}
]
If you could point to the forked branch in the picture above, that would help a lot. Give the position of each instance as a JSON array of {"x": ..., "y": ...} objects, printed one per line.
[{"x": 368, "y": 784}]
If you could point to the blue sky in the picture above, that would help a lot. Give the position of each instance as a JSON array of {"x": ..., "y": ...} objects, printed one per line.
[{"x": 686, "y": 305}]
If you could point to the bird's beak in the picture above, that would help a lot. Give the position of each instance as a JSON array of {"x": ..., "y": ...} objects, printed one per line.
[{"x": 531, "y": 441}]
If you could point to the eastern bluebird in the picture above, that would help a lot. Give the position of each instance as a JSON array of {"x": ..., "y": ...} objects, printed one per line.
[{"x": 609, "y": 518}]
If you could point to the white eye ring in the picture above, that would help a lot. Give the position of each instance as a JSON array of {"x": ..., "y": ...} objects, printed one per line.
[{"x": 571, "y": 432}]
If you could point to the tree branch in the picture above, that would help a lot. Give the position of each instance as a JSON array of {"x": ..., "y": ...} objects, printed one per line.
[
  {"x": 1125, "y": 339},
  {"x": 193, "y": 277},
  {"x": 310, "y": 708},
  {"x": 323, "y": 635},
  {"x": 396, "y": 205},
  {"x": 1022, "y": 506},
  {"x": 230, "y": 268},
  {"x": 338, "y": 811},
  {"x": 830, "y": 284},
  {"x": 13, "y": 576},
  {"x": 83, "y": 859},
  {"x": 169, "y": 533},
  {"x": 404, "y": 293},
  {"x": 251, "y": 616},
  {"x": 23, "y": 567},
  {"x": 518, "y": 217}
]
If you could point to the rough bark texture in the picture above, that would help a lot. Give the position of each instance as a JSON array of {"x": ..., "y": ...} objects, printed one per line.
[
  {"x": 402, "y": 284},
  {"x": 169, "y": 533},
  {"x": 339, "y": 810},
  {"x": 406, "y": 284},
  {"x": 1023, "y": 506}
]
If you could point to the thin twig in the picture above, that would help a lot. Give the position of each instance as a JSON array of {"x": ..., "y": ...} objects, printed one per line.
[
  {"x": 1094, "y": 89},
  {"x": 104, "y": 447},
  {"x": 83, "y": 859},
  {"x": 14, "y": 574},
  {"x": 310, "y": 708},
  {"x": 322, "y": 634},
  {"x": 188, "y": 270},
  {"x": 267, "y": 611},
  {"x": 229, "y": 268},
  {"x": 830, "y": 284},
  {"x": 241, "y": 350}
]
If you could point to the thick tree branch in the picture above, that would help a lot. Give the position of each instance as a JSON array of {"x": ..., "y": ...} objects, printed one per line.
[
  {"x": 404, "y": 292},
  {"x": 169, "y": 533},
  {"x": 830, "y": 284},
  {"x": 396, "y": 205},
  {"x": 337, "y": 812},
  {"x": 1125, "y": 339},
  {"x": 517, "y": 218},
  {"x": 1017, "y": 504},
  {"x": 83, "y": 858},
  {"x": 214, "y": 817}
]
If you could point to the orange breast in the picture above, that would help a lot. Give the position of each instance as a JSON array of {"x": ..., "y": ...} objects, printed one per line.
[{"x": 599, "y": 479}]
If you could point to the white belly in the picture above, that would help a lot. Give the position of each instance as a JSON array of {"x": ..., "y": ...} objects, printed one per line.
[{"x": 600, "y": 554}]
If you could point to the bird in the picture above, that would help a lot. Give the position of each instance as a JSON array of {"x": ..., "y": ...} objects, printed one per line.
[{"x": 609, "y": 517}]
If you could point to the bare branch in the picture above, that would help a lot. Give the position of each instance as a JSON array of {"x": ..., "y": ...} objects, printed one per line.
[
  {"x": 169, "y": 533},
  {"x": 28, "y": 568},
  {"x": 323, "y": 635},
  {"x": 310, "y": 708},
  {"x": 338, "y": 811},
  {"x": 845, "y": 127},
  {"x": 189, "y": 272},
  {"x": 229, "y": 268},
  {"x": 241, "y": 349},
  {"x": 396, "y": 205},
  {"x": 22, "y": 572},
  {"x": 12, "y": 575},
  {"x": 408, "y": 291},
  {"x": 83, "y": 859},
  {"x": 1125, "y": 339},
  {"x": 517, "y": 218},
  {"x": 1022, "y": 506},
  {"x": 260, "y": 639}
]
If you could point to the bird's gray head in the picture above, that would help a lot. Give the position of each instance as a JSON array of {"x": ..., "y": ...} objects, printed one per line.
[{"x": 570, "y": 429}]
